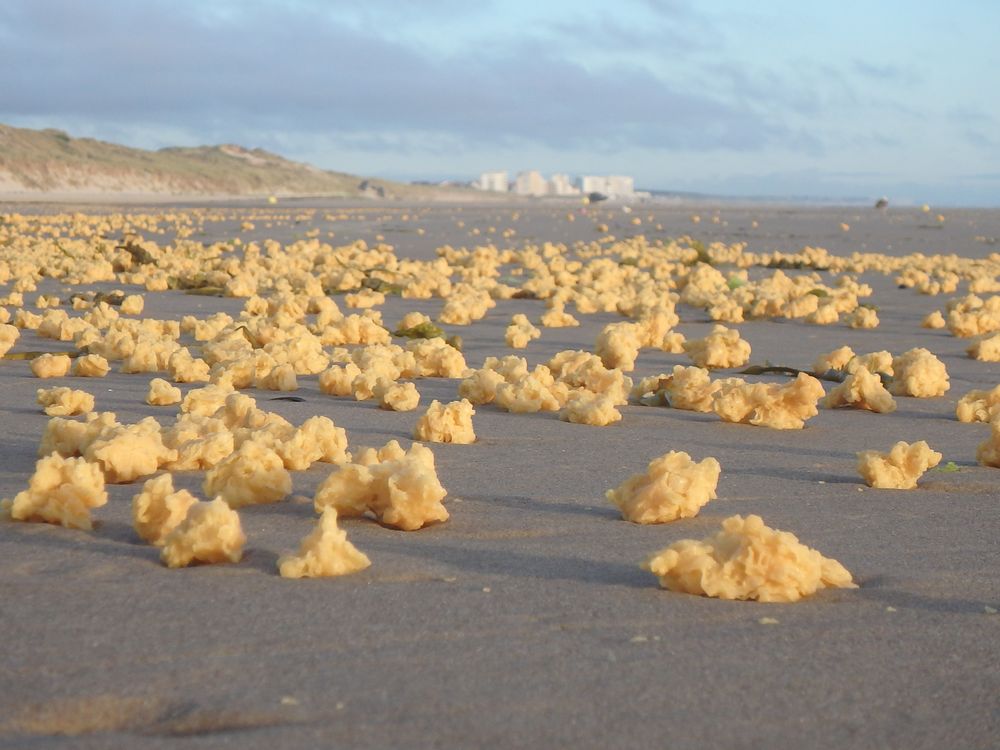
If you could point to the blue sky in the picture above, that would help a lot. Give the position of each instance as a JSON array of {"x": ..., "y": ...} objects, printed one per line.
[{"x": 771, "y": 98}]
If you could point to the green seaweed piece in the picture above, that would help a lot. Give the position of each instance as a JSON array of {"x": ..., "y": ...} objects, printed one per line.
[
  {"x": 110, "y": 298},
  {"x": 657, "y": 398},
  {"x": 794, "y": 264},
  {"x": 381, "y": 285},
  {"x": 65, "y": 252},
  {"x": 139, "y": 254},
  {"x": 949, "y": 467},
  {"x": 833, "y": 376},
  {"x": 768, "y": 369},
  {"x": 249, "y": 336},
  {"x": 886, "y": 378},
  {"x": 425, "y": 330},
  {"x": 703, "y": 257}
]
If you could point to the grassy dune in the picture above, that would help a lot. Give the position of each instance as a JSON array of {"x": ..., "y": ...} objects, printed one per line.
[{"x": 44, "y": 161}]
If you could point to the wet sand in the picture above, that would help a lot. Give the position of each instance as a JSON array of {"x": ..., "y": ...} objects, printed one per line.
[{"x": 525, "y": 621}]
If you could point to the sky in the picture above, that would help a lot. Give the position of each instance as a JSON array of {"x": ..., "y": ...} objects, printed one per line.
[{"x": 844, "y": 99}]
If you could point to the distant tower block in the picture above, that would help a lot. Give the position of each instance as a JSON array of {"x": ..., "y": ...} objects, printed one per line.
[
  {"x": 561, "y": 184},
  {"x": 494, "y": 182},
  {"x": 531, "y": 183},
  {"x": 613, "y": 186}
]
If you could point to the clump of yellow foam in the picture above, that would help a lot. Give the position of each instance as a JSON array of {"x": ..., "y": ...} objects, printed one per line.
[
  {"x": 673, "y": 486},
  {"x": 747, "y": 560},
  {"x": 70, "y": 437},
  {"x": 432, "y": 358},
  {"x": 159, "y": 509},
  {"x": 979, "y": 405},
  {"x": 689, "y": 388},
  {"x": 210, "y": 533},
  {"x": 133, "y": 304},
  {"x": 988, "y": 452},
  {"x": 917, "y": 372},
  {"x": 900, "y": 468},
  {"x": 339, "y": 379},
  {"x": 253, "y": 474},
  {"x": 933, "y": 320},
  {"x": 326, "y": 551},
  {"x": 862, "y": 389},
  {"x": 876, "y": 362},
  {"x": 618, "y": 345},
  {"x": 834, "y": 360},
  {"x": 206, "y": 401},
  {"x": 529, "y": 392},
  {"x": 723, "y": 347},
  {"x": 62, "y": 490},
  {"x": 51, "y": 365},
  {"x": 825, "y": 314},
  {"x": 91, "y": 366},
  {"x": 784, "y": 406},
  {"x": 127, "y": 452},
  {"x": 986, "y": 349},
  {"x": 446, "y": 423},
  {"x": 466, "y": 305},
  {"x": 64, "y": 402},
  {"x": 520, "y": 332},
  {"x": 391, "y": 451},
  {"x": 557, "y": 317},
  {"x": 396, "y": 396},
  {"x": 594, "y": 409},
  {"x": 480, "y": 386},
  {"x": 8, "y": 337},
  {"x": 584, "y": 371},
  {"x": 161, "y": 393},
  {"x": 973, "y": 316},
  {"x": 401, "y": 489},
  {"x": 863, "y": 317}
]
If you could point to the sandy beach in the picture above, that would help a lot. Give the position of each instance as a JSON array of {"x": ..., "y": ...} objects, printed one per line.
[{"x": 525, "y": 620}]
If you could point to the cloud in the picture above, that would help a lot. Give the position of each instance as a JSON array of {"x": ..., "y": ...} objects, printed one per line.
[
  {"x": 668, "y": 32},
  {"x": 886, "y": 72},
  {"x": 971, "y": 116},
  {"x": 980, "y": 140},
  {"x": 667, "y": 90},
  {"x": 983, "y": 176},
  {"x": 301, "y": 68}
]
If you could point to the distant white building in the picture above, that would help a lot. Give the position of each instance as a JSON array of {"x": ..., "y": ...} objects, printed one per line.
[
  {"x": 531, "y": 183},
  {"x": 613, "y": 186},
  {"x": 561, "y": 184},
  {"x": 495, "y": 182}
]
